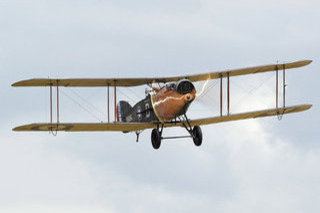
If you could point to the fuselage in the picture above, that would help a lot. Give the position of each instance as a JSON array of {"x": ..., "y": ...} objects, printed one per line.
[
  {"x": 161, "y": 104},
  {"x": 168, "y": 103}
]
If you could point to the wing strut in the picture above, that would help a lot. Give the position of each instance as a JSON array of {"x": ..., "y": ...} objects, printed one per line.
[
  {"x": 221, "y": 95},
  {"x": 228, "y": 94},
  {"x": 115, "y": 101},
  {"x": 284, "y": 86},
  {"x": 108, "y": 103},
  {"x": 57, "y": 101},
  {"x": 51, "y": 106},
  {"x": 277, "y": 87},
  {"x": 283, "y": 89},
  {"x": 228, "y": 77},
  {"x": 50, "y": 103}
]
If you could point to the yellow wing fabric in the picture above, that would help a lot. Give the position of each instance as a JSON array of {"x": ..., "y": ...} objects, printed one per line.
[
  {"x": 248, "y": 115},
  {"x": 128, "y": 127},
  {"x": 85, "y": 127},
  {"x": 127, "y": 82}
]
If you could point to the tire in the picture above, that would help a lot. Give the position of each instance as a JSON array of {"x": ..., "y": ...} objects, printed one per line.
[
  {"x": 156, "y": 138},
  {"x": 197, "y": 135}
]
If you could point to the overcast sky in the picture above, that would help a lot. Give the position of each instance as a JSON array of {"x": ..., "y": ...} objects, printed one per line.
[{"x": 258, "y": 165}]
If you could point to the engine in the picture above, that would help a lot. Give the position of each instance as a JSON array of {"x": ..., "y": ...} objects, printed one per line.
[{"x": 184, "y": 86}]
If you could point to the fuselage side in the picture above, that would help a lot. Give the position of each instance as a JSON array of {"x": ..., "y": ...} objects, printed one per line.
[
  {"x": 161, "y": 105},
  {"x": 168, "y": 103}
]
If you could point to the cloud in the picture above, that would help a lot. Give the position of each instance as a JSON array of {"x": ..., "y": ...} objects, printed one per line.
[
  {"x": 272, "y": 172},
  {"x": 38, "y": 208},
  {"x": 32, "y": 172}
]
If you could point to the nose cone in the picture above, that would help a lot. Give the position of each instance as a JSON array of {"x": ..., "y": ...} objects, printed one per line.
[{"x": 189, "y": 97}]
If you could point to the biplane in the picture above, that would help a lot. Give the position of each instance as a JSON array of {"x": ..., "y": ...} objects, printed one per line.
[{"x": 164, "y": 106}]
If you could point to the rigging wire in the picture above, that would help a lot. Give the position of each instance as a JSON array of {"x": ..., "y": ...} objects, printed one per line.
[
  {"x": 205, "y": 99},
  {"x": 133, "y": 92},
  {"x": 126, "y": 95},
  {"x": 214, "y": 83},
  {"x": 206, "y": 93},
  {"x": 208, "y": 89},
  {"x": 86, "y": 101},
  {"x": 252, "y": 90},
  {"x": 91, "y": 105},
  {"x": 93, "y": 115}
]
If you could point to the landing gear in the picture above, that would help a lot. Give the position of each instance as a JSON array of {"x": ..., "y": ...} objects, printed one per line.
[
  {"x": 197, "y": 135},
  {"x": 194, "y": 132},
  {"x": 156, "y": 138}
]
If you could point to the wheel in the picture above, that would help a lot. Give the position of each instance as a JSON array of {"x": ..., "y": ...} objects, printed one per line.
[
  {"x": 197, "y": 135},
  {"x": 156, "y": 138}
]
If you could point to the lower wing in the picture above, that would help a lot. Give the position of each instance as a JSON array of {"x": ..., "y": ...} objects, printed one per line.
[{"x": 129, "y": 127}]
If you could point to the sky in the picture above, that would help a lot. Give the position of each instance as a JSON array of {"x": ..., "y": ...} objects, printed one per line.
[{"x": 260, "y": 165}]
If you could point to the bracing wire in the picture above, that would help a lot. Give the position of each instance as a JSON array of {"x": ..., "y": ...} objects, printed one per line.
[
  {"x": 208, "y": 89},
  {"x": 204, "y": 97},
  {"x": 93, "y": 106},
  {"x": 131, "y": 99},
  {"x": 93, "y": 115},
  {"x": 133, "y": 92},
  {"x": 252, "y": 90},
  {"x": 87, "y": 102}
]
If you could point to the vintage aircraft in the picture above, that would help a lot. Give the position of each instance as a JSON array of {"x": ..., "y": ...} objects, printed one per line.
[{"x": 164, "y": 106}]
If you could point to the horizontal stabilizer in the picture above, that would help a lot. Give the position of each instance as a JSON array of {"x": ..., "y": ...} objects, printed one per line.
[
  {"x": 127, "y": 82},
  {"x": 128, "y": 127}
]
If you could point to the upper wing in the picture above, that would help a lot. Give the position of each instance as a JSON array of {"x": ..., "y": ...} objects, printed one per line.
[
  {"x": 125, "y": 82},
  {"x": 127, "y": 127}
]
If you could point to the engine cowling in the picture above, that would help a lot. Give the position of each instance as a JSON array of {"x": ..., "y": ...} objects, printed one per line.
[{"x": 184, "y": 86}]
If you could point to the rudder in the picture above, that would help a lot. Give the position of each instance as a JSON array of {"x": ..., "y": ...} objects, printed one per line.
[{"x": 124, "y": 112}]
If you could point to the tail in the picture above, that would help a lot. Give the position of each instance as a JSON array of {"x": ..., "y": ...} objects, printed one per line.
[{"x": 124, "y": 112}]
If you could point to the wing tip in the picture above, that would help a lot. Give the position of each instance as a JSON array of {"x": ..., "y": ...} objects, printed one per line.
[
  {"x": 26, "y": 127},
  {"x": 33, "y": 82},
  {"x": 17, "y": 129},
  {"x": 15, "y": 84},
  {"x": 307, "y": 62},
  {"x": 308, "y": 106},
  {"x": 301, "y": 108},
  {"x": 20, "y": 83}
]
